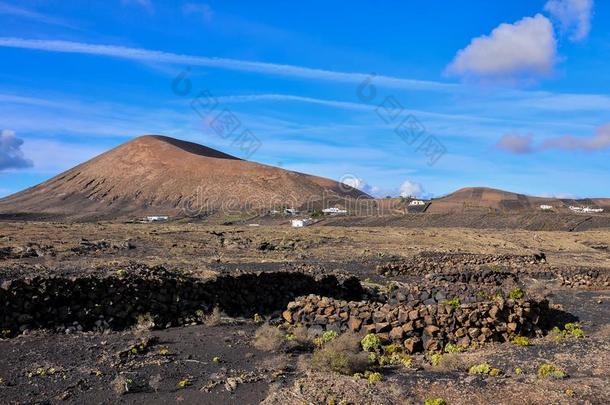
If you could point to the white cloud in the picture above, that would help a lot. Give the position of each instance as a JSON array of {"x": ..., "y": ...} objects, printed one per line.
[
  {"x": 11, "y": 155},
  {"x": 202, "y": 10},
  {"x": 148, "y": 56},
  {"x": 523, "y": 50},
  {"x": 515, "y": 143},
  {"x": 11, "y": 10},
  {"x": 359, "y": 184},
  {"x": 597, "y": 142},
  {"x": 573, "y": 16},
  {"x": 411, "y": 189},
  {"x": 522, "y": 144}
]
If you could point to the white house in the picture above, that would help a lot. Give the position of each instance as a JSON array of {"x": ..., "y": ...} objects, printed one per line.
[
  {"x": 291, "y": 211},
  {"x": 545, "y": 207},
  {"x": 586, "y": 210},
  {"x": 334, "y": 211},
  {"x": 157, "y": 218},
  {"x": 300, "y": 223},
  {"x": 416, "y": 203}
]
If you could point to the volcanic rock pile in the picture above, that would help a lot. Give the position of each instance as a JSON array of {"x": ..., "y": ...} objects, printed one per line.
[
  {"x": 440, "y": 262},
  {"x": 585, "y": 278},
  {"x": 421, "y": 327}
]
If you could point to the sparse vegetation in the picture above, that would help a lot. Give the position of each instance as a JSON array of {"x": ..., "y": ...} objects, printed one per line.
[
  {"x": 144, "y": 323},
  {"x": 435, "y": 401},
  {"x": 549, "y": 370},
  {"x": 521, "y": 341},
  {"x": 373, "y": 377},
  {"x": 435, "y": 359},
  {"x": 370, "y": 342},
  {"x": 122, "y": 385},
  {"x": 185, "y": 382},
  {"x": 451, "y": 348},
  {"x": 214, "y": 318},
  {"x": 269, "y": 338},
  {"x": 569, "y": 329},
  {"x": 454, "y": 302},
  {"x": 516, "y": 294},
  {"x": 484, "y": 368},
  {"x": 341, "y": 355},
  {"x": 328, "y": 336}
]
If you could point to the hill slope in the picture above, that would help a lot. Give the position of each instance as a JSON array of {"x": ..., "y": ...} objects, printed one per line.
[
  {"x": 485, "y": 199},
  {"x": 160, "y": 175}
]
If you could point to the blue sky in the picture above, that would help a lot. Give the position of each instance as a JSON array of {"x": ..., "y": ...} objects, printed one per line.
[{"x": 513, "y": 95}]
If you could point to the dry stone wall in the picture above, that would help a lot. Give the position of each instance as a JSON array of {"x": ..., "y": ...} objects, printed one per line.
[
  {"x": 421, "y": 327},
  {"x": 115, "y": 302}
]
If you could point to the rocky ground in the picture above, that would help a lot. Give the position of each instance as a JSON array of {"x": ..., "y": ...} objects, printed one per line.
[{"x": 175, "y": 312}]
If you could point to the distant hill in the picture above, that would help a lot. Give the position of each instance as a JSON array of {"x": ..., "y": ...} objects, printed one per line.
[
  {"x": 155, "y": 174},
  {"x": 482, "y": 198}
]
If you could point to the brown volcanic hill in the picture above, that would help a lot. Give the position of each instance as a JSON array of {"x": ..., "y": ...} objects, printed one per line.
[
  {"x": 160, "y": 175},
  {"x": 483, "y": 198}
]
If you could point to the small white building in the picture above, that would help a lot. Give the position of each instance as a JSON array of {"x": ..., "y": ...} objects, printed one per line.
[
  {"x": 157, "y": 218},
  {"x": 586, "y": 210},
  {"x": 416, "y": 203},
  {"x": 545, "y": 207},
  {"x": 334, "y": 211},
  {"x": 301, "y": 223},
  {"x": 291, "y": 211}
]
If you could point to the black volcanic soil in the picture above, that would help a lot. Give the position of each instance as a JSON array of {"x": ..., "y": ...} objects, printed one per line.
[
  {"x": 86, "y": 366},
  {"x": 83, "y": 367}
]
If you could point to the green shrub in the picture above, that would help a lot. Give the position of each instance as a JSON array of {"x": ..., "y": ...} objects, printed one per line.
[
  {"x": 516, "y": 294},
  {"x": 341, "y": 355},
  {"x": 550, "y": 370},
  {"x": 521, "y": 341},
  {"x": 574, "y": 330},
  {"x": 484, "y": 368},
  {"x": 454, "y": 302},
  {"x": 370, "y": 342},
  {"x": 329, "y": 335},
  {"x": 435, "y": 401},
  {"x": 435, "y": 359},
  {"x": 374, "y": 377},
  {"x": 451, "y": 348},
  {"x": 185, "y": 382}
]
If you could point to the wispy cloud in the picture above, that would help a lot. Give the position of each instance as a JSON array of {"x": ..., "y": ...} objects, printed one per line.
[
  {"x": 516, "y": 143},
  {"x": 204, "y": 11},
  {"x": 573, "y": 16},
  {"x": 145, "y": 55},
  {"x": 20, "y": 12},
  {"x": 523, "y": 144}
]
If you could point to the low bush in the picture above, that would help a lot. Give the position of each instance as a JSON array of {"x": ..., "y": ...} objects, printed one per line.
[
  {"x": 341, "y": 355},
  {"x": 549, "y": 370},
  {"x": 370, "y": 342},
  {"x": 269, "y": 338}
]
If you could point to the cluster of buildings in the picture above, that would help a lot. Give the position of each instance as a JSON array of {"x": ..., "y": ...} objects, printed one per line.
[{"x": 585, "y": 210}]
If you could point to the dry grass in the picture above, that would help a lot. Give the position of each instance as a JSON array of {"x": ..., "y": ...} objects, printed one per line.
[
  {"x": 342, "y": 355},
  {"x": 121, "y": 385},
  {"x": 269, "y": 338},
  {"x": 453, "y": 362},
  {"x": 213, "y": 319}
]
